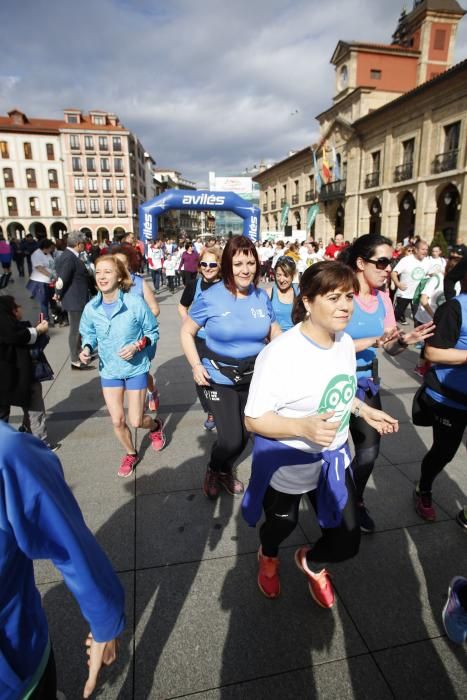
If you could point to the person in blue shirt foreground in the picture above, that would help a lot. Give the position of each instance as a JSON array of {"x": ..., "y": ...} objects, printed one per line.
[
  {"x": 238, "y": 319},
  {"x": 40, "y": 519},
  {"x": 299, "y": 412}
]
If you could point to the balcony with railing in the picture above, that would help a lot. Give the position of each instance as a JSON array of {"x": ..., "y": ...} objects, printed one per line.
[
  {"x": 372, "y": 180},
  {"x": 403, "y": 172},
  {"x": 56, "y": 211},
  {"x": 273, "y": 204},
  {"x": 333, "y": 190},
  {"x": 445, "y": 161},
  {"x": 294, "y": 199},
  {"x": 283, "y": 202},
  {"x": 12, "y": 210},
  {"x": 265, "y": 206},
  {"x": 309, "y": 196}
]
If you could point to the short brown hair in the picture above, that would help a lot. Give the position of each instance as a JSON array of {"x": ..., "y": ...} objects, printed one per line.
[
  {"x": 319, "y": 279},
  {"x": 235, "y": 245},
  {"x": 125, "y": 283}
]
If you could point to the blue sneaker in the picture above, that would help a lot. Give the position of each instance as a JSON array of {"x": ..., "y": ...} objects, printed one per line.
[
  {"x": 209, "y": 423},
  {"x": 454, "y": 615}
]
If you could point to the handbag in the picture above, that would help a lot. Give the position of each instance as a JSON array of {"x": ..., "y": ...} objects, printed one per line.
[
  {"x": 42, "y": 371},
  {"x": 422, "y": 414}
]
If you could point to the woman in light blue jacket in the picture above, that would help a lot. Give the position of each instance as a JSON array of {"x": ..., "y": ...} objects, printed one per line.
[{"x": 126, "y": 333}]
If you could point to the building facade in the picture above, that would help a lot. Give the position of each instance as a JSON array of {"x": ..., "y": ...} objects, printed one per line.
[
  {"x": 85, "y": 172},
  {"x": 177, "y": 222},
  {"x": 392, "y": 152}
]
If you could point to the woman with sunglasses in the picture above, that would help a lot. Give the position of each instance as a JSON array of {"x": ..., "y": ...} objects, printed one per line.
[
  {"x": 283, "y": 291},
  {"x": 209, "y": 268},
  {"x": 238, "y": 319},
  {"x": 372, "y": 326}
]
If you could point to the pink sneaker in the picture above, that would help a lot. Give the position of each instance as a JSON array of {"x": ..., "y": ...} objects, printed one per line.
[
  {"x": 127, "y": 465},
  {"x": 320, "y": 585},
  {"x": 424, "y": 504},
  {"x": 157, "y": 436}
]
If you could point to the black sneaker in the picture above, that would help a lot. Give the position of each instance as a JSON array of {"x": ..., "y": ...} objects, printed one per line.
[
  {"x": 367, "y": 524},
  {"x": 461, "y": 517}
]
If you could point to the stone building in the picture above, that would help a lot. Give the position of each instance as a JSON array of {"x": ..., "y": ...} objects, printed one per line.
[
  {"x": 394, "y": 139},
  {"x": 84, "y": 172}
]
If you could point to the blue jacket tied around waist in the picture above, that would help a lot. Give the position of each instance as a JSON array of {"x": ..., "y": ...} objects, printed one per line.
[{"x": 270, "y": 455}]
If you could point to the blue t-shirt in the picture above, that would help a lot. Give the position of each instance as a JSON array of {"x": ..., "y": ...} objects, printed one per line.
[
  {"x": 235, "y": 326},
  {"x": 109, "y": 307}
]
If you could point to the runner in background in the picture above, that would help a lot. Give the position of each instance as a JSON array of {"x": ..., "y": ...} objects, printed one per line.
[
  {"x": 210, "y": 273},
  {"x": 283, "y": 291}
]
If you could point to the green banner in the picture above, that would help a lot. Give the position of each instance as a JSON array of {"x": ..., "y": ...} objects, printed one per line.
[
  {"x": 284, "y": 214},
  {"x": 311, "y": 216}
]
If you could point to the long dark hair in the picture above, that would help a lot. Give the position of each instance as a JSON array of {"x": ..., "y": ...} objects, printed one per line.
[
  {"x": 364, "y": 247},
  {"x": 319, "y": 279},
  {"x": 7, "y": 305},
  {"x": 235, "y": 245}
]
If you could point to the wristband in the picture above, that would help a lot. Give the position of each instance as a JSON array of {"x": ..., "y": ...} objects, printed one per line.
[{"x": 141, "y": 344}]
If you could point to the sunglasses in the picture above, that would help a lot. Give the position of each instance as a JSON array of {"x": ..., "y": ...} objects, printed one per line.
[
  {"x": 211, "y": 265},
  {"x": 380, "y": 263}
]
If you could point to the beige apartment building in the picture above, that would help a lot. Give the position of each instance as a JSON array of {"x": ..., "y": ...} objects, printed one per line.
[
  {"x": 394, "y": 138},
  {"x": 85, "y": 172}
]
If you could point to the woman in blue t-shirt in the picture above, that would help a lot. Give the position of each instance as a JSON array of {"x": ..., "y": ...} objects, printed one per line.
[
  {"x": 372, "y": 326},
  {"x": 238, "y": 319},
  {"x": 444, "y": 398},
  {"x": 283, "y": 291}
]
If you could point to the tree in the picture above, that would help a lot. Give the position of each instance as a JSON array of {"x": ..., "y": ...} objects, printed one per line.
[{"x": 439, "y": 239}]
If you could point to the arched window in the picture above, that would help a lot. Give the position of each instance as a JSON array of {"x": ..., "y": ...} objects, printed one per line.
[
  {"x": 31, "y": 177},
  {"x": 8, "y": 177},
  {"x": 12, "y": 206},
  {"x": 53, "y": 178}
]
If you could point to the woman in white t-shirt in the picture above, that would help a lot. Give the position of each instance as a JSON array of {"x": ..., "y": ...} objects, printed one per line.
[
  {"x": 300, "y": 414},
  {"x": 42, "y": 276}
]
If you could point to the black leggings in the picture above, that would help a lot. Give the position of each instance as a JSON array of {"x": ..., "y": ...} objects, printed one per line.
[
  {"x": 335, "y": 544},
  {"x": 227, "y": 405},
  {"x": 46, "y": 689},
  {"x": 200, "y": 344},
  {"x": 366, "y": 442},
  {"x": 401, "y": 307},
  {"x": 448, "y": 429}
]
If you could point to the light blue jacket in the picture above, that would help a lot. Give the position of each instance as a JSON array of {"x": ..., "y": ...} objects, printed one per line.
[{"x": 131, "y": 320}]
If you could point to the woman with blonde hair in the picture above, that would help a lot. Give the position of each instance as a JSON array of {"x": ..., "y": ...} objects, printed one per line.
[
  {"x": 209, "y": 266},
  {"x": 126, "y": 332}
]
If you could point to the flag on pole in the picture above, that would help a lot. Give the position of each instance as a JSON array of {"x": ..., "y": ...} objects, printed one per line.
[
  {"x": 311, "y": 216},
  {"x": 284, "y": 214},
  {"x": 325, "y": 167},
  {"x": 318, "y": 181},
  {"x": 336, "y": 167}
]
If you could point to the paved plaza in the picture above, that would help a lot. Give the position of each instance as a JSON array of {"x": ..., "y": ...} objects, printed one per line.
[{"x": 197, "y": 625}]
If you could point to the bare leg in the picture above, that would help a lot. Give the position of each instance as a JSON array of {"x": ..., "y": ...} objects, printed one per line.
[
  {"x": 136, "y": 415},
  {"x": 113, "y": 397}
]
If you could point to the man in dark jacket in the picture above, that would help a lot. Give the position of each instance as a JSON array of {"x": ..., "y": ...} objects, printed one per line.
[{"x": 72, "y": 289}]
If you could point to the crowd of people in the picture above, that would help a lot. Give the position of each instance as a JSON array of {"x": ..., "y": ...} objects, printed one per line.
[{"x": 256, "y": 322}]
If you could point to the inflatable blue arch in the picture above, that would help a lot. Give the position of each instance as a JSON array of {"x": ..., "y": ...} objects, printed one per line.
[{"x": 197, "y": 200}]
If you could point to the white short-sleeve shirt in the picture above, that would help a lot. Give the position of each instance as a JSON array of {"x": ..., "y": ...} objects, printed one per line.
[{"x": 295, "y": 378}]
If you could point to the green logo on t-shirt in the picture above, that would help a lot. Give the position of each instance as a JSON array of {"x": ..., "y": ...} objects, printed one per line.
[
  {"x": 338, "y": 397},
  {"x": 418, "y": 273}
]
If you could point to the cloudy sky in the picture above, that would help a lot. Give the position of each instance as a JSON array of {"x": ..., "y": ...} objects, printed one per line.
[{"x": 205, "y": 84}]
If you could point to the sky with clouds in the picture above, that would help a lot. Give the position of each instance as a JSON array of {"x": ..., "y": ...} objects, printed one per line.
[{"x": 205, "y": 84}]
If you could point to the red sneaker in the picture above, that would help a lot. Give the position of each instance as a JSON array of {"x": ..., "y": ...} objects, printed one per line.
[
  {"x": 211, "y": 484},
  {"x": 127, "y": 466},
  {"x": 424, "y": 505},
  {"x": 319, "y": 584},
  {"x": 268, "y": 575},
  {"x": 231, "y": 484},
  {"x": 157, "y": 436}
]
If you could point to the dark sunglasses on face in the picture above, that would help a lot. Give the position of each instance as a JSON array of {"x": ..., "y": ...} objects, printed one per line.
[
  {"x": 380, "y": 263},
  {"x": 211, "y": 265}
]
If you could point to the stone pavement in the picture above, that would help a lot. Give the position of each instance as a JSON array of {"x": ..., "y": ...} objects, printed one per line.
[{"x": 197, "y": 623}]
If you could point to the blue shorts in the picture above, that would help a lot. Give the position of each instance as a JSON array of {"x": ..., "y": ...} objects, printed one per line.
[{"x": 138, "y": 382}]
